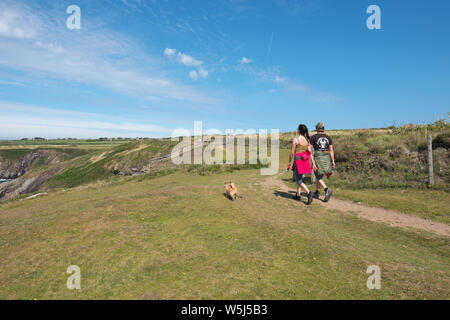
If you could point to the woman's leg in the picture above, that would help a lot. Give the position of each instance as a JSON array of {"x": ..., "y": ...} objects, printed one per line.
[
  {"x": 310, "y": 194},
  {"x": 304, "y": 186},
  {"x": 299, "y": 179}
]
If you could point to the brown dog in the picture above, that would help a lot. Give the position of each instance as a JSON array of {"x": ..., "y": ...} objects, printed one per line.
[{"x": 230, "y": 190}]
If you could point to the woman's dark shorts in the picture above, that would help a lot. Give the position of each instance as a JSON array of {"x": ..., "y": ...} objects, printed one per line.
[{"x": 297, "y": 177}]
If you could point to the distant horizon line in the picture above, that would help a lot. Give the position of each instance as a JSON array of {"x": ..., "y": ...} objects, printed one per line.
[
  {"x": 169, "y": 137},
  {"x": 393, "y": 126}
]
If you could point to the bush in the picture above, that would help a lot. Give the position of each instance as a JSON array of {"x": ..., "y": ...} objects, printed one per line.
[{"x": 442, "y": 141}]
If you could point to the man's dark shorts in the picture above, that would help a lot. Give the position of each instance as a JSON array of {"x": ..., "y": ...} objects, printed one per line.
[{"x": 319, "y": 176}]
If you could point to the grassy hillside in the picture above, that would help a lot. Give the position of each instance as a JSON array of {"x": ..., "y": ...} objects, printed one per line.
[
  {"x": 177, "y": 236},
  {"x": 389, "y": 158},
  {"x": 140, "y": 227},
  {"x": 366, "y": 159},
  {"x": 102, "y": 164}
]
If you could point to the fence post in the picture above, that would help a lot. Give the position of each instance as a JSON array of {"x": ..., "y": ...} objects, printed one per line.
[{"x": 430, "y": 160}]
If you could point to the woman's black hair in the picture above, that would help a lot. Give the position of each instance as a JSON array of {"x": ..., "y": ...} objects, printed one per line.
[{"x": 303, "y": 130}]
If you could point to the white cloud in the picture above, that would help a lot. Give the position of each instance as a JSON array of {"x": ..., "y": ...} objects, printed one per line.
[
  {"x": 279, "y": 79},
  {"x": 203, "y": 73},
  {"x": 188, "y": 60},
  {"x": 193, "y": 75},
  {"x": 169, "y": 52},
  {"x": 245, "y": 60}
]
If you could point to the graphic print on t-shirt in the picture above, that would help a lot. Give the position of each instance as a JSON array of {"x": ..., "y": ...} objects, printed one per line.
[{"x": 321, "y": 142}]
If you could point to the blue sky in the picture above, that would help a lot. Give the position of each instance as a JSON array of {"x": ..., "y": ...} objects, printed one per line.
[{"x": 144, "y": 68}]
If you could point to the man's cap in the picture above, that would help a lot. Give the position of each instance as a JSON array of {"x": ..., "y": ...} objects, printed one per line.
[{"x": 320, "y": 126}]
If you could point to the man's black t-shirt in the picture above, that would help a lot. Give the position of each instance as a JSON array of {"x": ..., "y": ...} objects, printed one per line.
[{"x": 321, "y": 142}]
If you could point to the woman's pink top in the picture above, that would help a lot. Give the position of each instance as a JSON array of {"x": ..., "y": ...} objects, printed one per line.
[{"x": 302, "y": 162}]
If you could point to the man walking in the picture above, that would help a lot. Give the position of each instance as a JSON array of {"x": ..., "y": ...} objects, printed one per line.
[{"x": 324, "y": 159}]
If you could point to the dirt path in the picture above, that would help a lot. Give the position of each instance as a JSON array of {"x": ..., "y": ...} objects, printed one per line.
[{"x": 393, "y": 218}]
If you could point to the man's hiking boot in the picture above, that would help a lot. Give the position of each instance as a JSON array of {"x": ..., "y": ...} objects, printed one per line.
[
  {"x": 328, "y": 194},
  {"x": 310, "y": 198},
  {"x": 316, "y": 194},
  {"x": 297, "y": 197}
]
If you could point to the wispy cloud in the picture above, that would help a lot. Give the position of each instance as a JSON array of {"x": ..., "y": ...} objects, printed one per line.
[
  {"x": 279, "y": 79},
  {"x": 13, "y": 24},
  {"x": 272, "y": 75},
  {"x": 53, "y": 123},
  {"x": 42, "y": 46},
  {"x": 296, "y": 7},
  {"x": 245, "y": 60}
]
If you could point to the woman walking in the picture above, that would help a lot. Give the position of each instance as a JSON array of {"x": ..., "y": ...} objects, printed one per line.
[{"x": 301, "y": 152}]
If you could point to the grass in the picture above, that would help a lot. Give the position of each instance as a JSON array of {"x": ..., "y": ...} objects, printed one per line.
[
  {"x": 13, "y": 154},
  {"x": 171, "y": 234},
  {"x": 177, "y": 236},
  {"x": 79, "y": 172}
]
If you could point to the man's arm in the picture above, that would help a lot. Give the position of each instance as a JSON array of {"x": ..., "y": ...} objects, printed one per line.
[
  {"x": 310, "y": 148},
  {"x": 332, "y": 156}
]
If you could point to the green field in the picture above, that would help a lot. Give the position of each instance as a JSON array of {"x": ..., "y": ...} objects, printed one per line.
[
  {"x": 170, "y": 233},
  {"x": 177, "y": 236}
]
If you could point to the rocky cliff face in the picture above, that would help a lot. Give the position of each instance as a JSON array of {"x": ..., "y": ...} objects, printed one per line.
[
  {"x": 27, "y": 184},
  {"x": 15, "y": 169},
  {"x": 12, "y": 169}
]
